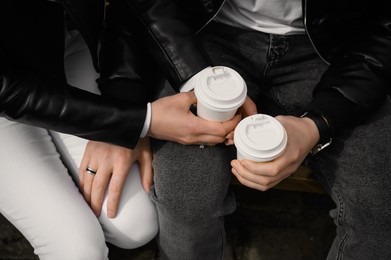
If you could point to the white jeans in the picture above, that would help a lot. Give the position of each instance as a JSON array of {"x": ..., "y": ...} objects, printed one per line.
[{"x": 39, "y": 197}]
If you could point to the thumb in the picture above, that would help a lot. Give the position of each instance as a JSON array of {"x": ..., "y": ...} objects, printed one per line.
[{"x": 191, "y": 96}]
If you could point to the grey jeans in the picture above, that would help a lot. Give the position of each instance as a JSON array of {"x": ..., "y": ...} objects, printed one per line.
[{"x": 191, "y": 184}]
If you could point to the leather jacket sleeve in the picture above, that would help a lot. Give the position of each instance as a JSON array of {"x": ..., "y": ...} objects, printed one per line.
[
  {"x": 358, "y": 78},
  {"x": 33, "y": 87},
  {"x": 165, "y": 37},
  {"x": 31, "y": 100},
  {"x": 121, "y": 60}
]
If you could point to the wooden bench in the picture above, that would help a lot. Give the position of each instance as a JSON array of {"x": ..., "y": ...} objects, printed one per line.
[{"x": 302, "y": 180}]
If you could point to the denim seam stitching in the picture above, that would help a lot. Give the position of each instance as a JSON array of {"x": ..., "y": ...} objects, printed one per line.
[
  {"x": 342, "y": 246},
  {"x": 340, "y": 214}
]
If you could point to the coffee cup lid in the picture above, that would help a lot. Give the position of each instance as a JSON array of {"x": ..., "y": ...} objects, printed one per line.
[
  {"x": 221, "y": 88},
  {"x": 260, "y": 136}
]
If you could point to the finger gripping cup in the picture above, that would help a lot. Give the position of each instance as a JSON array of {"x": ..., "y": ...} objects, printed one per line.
[
  {"x": 220, "y": 91},
  {"x": 260, "y": 138}
]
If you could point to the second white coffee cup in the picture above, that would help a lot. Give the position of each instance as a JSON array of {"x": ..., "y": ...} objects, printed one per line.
[
  {"x": 220, "y": 91},
  {"x": 260, "y": 138}
]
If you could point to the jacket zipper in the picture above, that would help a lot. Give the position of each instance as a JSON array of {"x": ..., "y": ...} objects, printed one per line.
[{"x": 308, "y": 34}]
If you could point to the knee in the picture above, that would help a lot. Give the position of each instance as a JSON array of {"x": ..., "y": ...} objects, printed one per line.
[
  {"x": 136, "y": 221},
  {"x": 192, "y": 191},
  {"x": 132, "y": 227}
]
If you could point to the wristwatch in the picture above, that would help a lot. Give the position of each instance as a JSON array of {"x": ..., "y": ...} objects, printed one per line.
[{"x": 322, "y": 124}]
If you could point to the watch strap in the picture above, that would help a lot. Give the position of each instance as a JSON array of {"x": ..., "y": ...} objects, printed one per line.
[{"x": 322, "y": 124}]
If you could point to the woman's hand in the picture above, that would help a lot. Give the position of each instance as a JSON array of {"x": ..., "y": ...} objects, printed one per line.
[
  {"x": 302, "y": 134},
  {"x": 172, "y": 120},
  {"x": 112, "y": 164}
]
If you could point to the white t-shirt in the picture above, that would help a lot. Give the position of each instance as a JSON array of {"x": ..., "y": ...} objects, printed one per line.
[{"x": 284, "y": 17}]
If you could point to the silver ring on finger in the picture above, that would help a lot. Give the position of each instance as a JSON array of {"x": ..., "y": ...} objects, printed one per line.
[{"x": 90, "y": 170}]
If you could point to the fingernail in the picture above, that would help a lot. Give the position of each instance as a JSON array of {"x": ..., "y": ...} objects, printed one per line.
[{"x": 233, "y": 163}]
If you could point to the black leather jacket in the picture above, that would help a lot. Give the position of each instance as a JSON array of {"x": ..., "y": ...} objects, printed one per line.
[
  {"x": 33, "y": 88},
  {"x": 354, "y": 37}
]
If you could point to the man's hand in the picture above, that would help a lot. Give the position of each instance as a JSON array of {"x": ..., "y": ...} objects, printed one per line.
[
  {"x": 172, "y": 120},
  {"x": 112, "y": 164},
  {"x": 302, "y": 134}
]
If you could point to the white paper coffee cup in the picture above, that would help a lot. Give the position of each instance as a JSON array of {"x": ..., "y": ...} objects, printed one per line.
[
  {"x": 260, "y": 138},
  {"x": 220, "y": 91}
]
